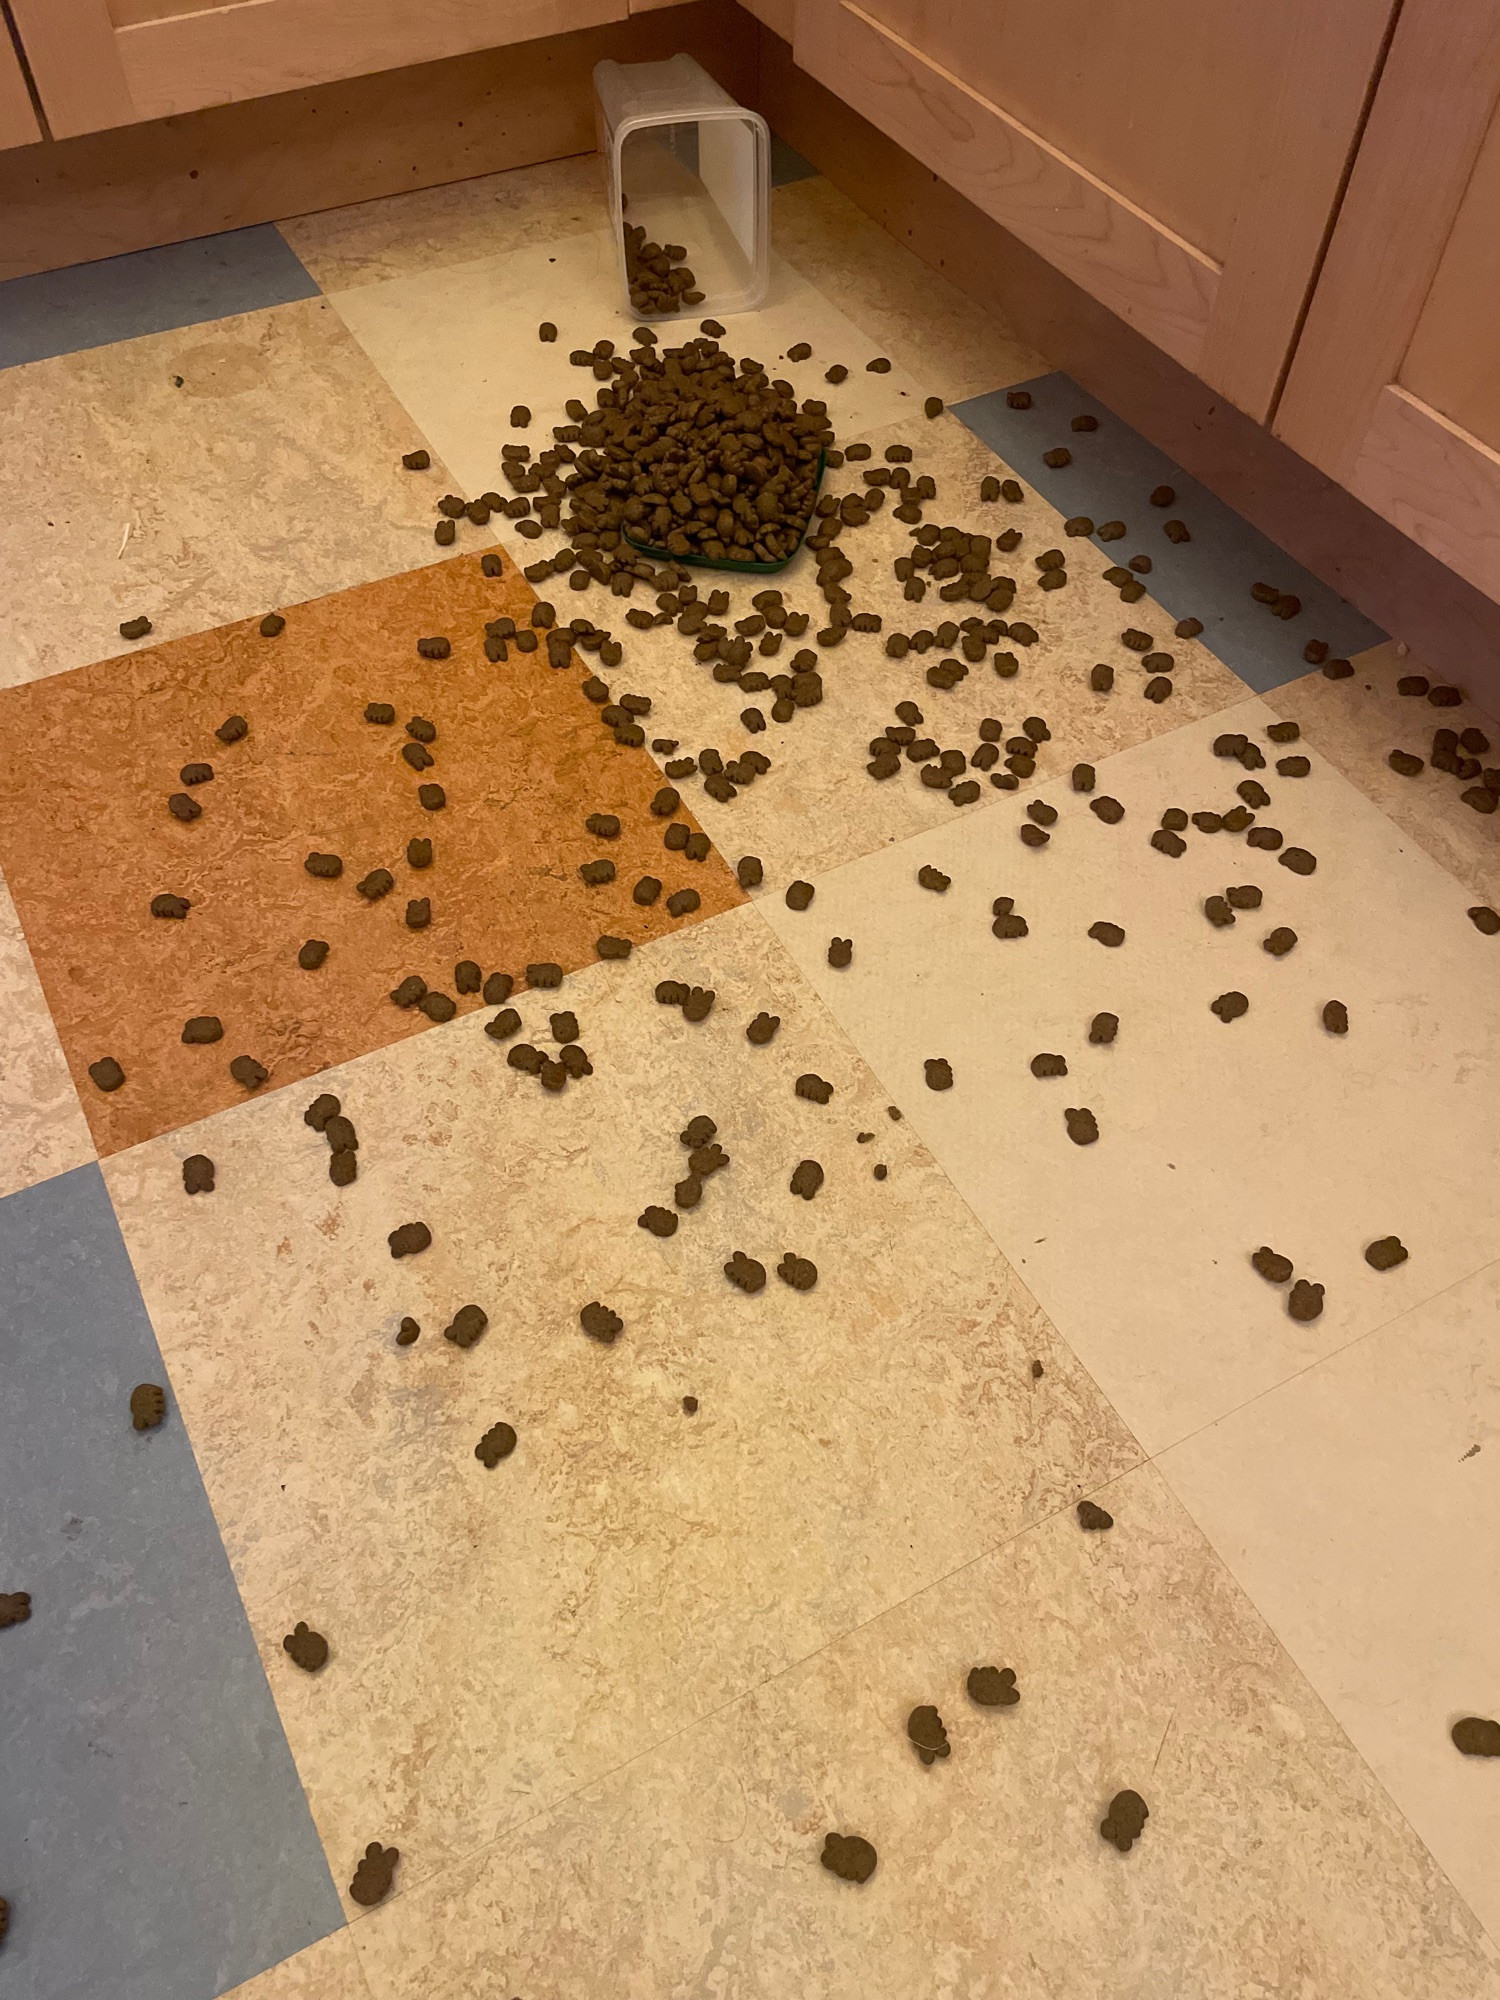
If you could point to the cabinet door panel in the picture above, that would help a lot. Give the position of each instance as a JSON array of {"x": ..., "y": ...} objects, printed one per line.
[
  {"x": 1179, "y": 160},
  {"x": 112, "y": 62},
  {"x": 18, "y": 126},
  {"x": 1395, "y": 389}
]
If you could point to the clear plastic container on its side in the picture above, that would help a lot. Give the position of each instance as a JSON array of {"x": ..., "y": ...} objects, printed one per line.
[{"x": 689, "y": 189}]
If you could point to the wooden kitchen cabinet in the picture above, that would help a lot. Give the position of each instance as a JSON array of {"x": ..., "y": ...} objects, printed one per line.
[
  {"x": 98, "y": 63},
  {"x": 18, "y": 126},
  {"x": 1395, "y": 388},
  {"x": 1178, "y": 159}
]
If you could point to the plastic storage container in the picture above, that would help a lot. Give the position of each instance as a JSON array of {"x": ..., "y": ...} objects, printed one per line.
[{"x": 690, "y": 180}]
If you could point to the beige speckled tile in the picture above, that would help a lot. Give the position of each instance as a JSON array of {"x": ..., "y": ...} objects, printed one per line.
[
  {"x": 405, "y": 234},
  {"x": 1359, "y": 1505},
  {"x": 327, "y": 1970},
  {"x": 461, "y": 354},
  {"x": 42, "y": 1128},
  {"x": 1272, "y": 1865},
  {"x": 502, "y": 1637},
  {"x": 924, "y": 322},
  {"x": 1214, "y": 1137},
  {"x": 271, "y": 475},
  {"x": 818, "y": 807},
  {"x": 1357, "y": 723}
]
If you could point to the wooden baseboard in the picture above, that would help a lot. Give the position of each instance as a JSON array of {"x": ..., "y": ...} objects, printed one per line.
[
  {"x": 1454, "y": 628},
  {"x": 68, "y": 201}
]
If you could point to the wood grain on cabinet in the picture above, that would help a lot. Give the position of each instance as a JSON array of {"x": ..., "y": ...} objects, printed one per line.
[
  {"x": 98, "y": 65},
  {"x": 1453, "y": 627},
  {"x": 1180, "y": 162},
  {"x": 1394, "y": 390},
  {"x": 18, "y": 121}
]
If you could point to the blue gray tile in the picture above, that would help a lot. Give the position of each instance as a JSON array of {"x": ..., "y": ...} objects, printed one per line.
[
  {"x": 148, "y": 291},
  {"x": 155, "y": 1842},
  {"x": 1114, "y": 470}
]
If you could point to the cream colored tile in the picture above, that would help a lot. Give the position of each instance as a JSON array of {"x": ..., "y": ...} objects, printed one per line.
[
  {"x": 1214, "y": 1138},
  {"x": 327, "y": 1970},
  {"x": 42, "y": 1127},
  {"x": 502, "y": 1637},
  {"x": 272, "y": 474},
  {"x": 404, "y": 234},
  {"x": 462, "y": 354},
  {"x": 923, "y": 320},
  {"x": 1357, "y": 723},
  {"x": 1272, "y": 1863},
  {"x": 1359, "y": 1506},
  {"x": 819, "y": 807}
]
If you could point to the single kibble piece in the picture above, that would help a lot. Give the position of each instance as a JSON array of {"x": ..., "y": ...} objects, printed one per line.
[
  {"x": 1385, "y": 1253},
  {"x": 1272, "y": 1266},
  {"x": 813, "y": 1087},
  {"x": 807, "y": 1178},
  {"x": 323, "y": 1108},
  {"x": 1305, "y": 1301},
  {"x": 1034, "y": 836},
  {"x": 545, "y": 973},
  {"x": 613, "y": 947},
  {"x": 1093, "y": 1519},
  {"x": 498, "y": 1442},
  {"x": 381, "y": 712},
  {"x": 106, "y": 1074},
  {"x": 1103, "y": 1029},
  {"x": 682, "y": 902},
  {"x": 749, "y": 872},
  {"x": 926, "y": 1734},
  {"x": 1107, "y": 809},
  {"x": 660, "y": 1221},
  {"x": 135, "y": 628},
  {"x": 1298, "y": 860},
  {"x": 938, "y": 1073},
  {"x": 1280, "y": 941},
  {"x": 198, "y": 1174},
  {"x": 1336, "y": 1017},
  {"x": 1049, "y": 1065},
  {"x": 379, "y": 882},
  {"x": 375, "y": 1874},
  {"x": 1476, "y": 1736},
  {"x": 148, "y": 1405},
  {"x": 203, "y": 1028},
  {"x": 745, "y": 1272},
  {"x": 170, "y": 906},
  {"x": 848, "y": 1855},
  {"x": 418, "y": 913},
  {"x": 431, "y": 798},
  {"x": 15, "y": 1607},
  {"x": 505, "y": 1024},
  {"x": 646, "y": 891},
  {"x": 343, "y": 1168},
  {"x": 763, "y": 1029},
  {"x": 1484, "y": 919},
  {"x": 1229, "y": 1006},
  {"x": 799, "y": 895},
  {"x": 690, "y": 1406},
  {"x": 995, "y": 1687},
  {"x": 180, "y": 806},
  {"x": 840, "y": 952},
  {"x": 410, "y": 1239},
  {"x": 600, "y": 1324},
  {"x": 1218, "y": 912},
  {"x": 497, "y": 989},
  {"x": 1106, "y": 933},
  {"x": 305, "y": 1648},
  {"x": 1122, "y": 1825},
  {"x": 798, "y": 1272},
  {"x": 408, "y": 1332},
  {"x": 312, "y": 954},
  {"x": 466, "y": 1326},
  {"x": 411, "y": 991},
  {"x": 327, "y": 867},
  {"x": 520, "y": 417},
  {"x": 1057, "y": 458},
  {"x": 1083, "y": 1127}
]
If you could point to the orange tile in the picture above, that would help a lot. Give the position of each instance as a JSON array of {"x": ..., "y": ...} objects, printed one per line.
[{"x": 89, "y": 759}]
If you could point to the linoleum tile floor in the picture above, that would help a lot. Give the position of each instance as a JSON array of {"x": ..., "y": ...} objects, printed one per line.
[{"x": 885, "y": 1259}]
